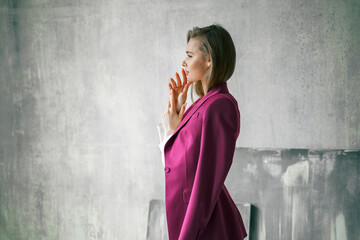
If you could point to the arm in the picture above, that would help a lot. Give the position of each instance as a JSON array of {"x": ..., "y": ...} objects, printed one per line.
[
  {"x": 160, "y": 129},
  {"x": 161, "y": 146},
  {"x": 218, "y": 139},
  {"x": 164, "y": 137}
]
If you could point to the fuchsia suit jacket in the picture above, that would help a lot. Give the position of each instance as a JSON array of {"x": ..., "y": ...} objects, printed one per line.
[{"x": 198, "y": 157}]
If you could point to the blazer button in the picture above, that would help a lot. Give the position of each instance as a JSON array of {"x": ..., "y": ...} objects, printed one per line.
[{"x": 167, "y": 169}]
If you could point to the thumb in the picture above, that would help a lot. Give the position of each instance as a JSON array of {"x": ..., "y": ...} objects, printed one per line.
[{"x": 182, "y": 110}]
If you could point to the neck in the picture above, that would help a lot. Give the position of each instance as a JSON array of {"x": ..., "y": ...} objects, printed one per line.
[{"x": 204, "y": 85}]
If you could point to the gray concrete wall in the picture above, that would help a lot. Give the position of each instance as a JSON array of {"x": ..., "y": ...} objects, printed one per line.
[{"x": 83, "y": 85}]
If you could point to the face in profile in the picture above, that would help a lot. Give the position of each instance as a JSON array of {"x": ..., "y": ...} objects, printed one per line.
[{"x": 194, "y": 64}]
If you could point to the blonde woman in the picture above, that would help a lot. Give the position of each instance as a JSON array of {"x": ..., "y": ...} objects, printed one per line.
[{"x": 199, "y": 143}]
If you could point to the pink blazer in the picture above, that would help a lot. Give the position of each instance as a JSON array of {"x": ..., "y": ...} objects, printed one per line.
[{"x": 198, "y": 157}]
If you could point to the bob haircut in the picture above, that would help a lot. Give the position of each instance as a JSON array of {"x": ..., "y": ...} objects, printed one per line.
[{"x": 217, "y": 42}]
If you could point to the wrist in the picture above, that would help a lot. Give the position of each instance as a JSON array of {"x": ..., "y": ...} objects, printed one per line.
[{"x": 167, "y": 133}]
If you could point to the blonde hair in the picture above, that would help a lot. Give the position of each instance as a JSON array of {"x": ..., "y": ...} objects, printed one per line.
[{"x": 216, "y": 42}]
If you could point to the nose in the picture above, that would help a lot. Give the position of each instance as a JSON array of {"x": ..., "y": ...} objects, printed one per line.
[{"x": 183, "y": 63}]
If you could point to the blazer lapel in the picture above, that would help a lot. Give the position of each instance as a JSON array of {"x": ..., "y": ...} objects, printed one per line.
[{"x": 222, "y": 88}]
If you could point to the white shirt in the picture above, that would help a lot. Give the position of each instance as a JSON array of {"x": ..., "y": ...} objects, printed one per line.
[{"x": 163, "y": 139}]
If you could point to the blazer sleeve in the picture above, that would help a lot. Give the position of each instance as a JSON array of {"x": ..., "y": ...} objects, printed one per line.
[{"x": 221, "y": 125}]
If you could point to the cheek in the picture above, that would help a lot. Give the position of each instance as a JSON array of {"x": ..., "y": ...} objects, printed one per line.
[
  {"x": 193, "y": 66},
  {"x": 198, "y": 68}
]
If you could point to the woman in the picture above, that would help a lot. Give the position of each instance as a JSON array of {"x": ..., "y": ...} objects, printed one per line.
[{"x": 199, "y": 143}]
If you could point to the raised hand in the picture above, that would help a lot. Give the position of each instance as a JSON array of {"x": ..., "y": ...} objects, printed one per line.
[
  {"x": 170, "y": 118},
  {"x": 179, "y": 90}
]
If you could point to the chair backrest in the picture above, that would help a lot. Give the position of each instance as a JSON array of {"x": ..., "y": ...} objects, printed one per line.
[{"x": 157, "y": 225}]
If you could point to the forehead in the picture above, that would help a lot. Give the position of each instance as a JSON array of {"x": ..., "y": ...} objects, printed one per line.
[{"x": 193, "y": 44}]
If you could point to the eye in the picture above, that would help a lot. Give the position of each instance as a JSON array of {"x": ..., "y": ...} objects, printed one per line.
[{"x": 189, "y": 56}]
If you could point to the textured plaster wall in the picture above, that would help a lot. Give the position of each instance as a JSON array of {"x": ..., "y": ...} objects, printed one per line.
[{"x": 83, "y": 85}]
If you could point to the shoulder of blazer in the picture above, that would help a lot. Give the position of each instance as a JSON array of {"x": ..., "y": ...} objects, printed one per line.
[
  {"x": 222, "y": 98},
  {"x": 220, "y": 103}
]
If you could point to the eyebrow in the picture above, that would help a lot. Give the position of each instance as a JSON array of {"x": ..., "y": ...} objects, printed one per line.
[{"x": 189, "y": 52}]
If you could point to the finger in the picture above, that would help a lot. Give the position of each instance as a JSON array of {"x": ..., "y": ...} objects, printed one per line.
[
  {"x": 169, "y": 104},
  {"x": 170, "y": 87},
  {"x": 172, "y": 101},
  {"x": 182, "y": 110},
  {"x": 173, "y": 83},
  {"x": 184, "y": 77},
  {"x": 178, "y": 79}
]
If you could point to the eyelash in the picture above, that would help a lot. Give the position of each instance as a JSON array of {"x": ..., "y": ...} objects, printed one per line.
[{"x": 189, "y": 56}]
